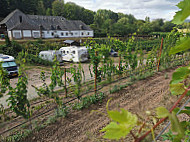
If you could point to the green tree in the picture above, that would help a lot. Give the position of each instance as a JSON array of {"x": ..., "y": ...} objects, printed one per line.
[
  {"x": 88, "y": 17},
  {"x": 48, "y": 12},
  {"x": 4, "y": 11},
  {"x": 58, "y": 8},
  {"x": 168, "y": 26},
  {"x": 41, "y": 9},
  {"x": 145, "y": 28},
  {"x": 147, "y": 19},
  {"x": 72, "y": 11},
  {"x": 157, "y": 24},
  {"x": 102, "y": 15}
]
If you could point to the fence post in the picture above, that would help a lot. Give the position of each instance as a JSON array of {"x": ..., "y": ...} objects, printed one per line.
[
  {"x": 95, "y": 80},
  {"x": 160, "y": 54},
  {"x": 119, "y": 66},
  {"x": 65, "y": 77}
]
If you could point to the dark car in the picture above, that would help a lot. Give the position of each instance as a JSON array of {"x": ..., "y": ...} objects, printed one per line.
[{"x": 113, "y": 53}]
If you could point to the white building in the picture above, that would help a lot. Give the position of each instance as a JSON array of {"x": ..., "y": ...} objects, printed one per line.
[{"x": 18, "y": 25}]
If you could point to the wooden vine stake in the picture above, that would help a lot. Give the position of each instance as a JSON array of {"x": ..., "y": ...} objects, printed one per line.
[
  {"x": 65, "y": 77},
  {"x": 119, "y": 66},
  {"x": 160, "y": 54},
  {"x": 95, "y": 84}
]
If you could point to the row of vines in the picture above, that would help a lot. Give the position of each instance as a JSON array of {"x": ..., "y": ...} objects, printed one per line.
[{"x": 135, "y": 60}]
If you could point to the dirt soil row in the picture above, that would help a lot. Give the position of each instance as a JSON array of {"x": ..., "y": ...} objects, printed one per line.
[{"x": 84, "y": 126}]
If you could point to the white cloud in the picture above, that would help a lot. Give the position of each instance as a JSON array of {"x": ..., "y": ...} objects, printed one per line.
[{"x": 139, "y": 8}]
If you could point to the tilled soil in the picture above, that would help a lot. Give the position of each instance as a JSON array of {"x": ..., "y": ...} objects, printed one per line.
[{"x": 84, "y": 126}]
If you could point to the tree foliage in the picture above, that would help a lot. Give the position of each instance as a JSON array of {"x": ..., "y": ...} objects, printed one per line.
[{"x": 103, "y": 22}]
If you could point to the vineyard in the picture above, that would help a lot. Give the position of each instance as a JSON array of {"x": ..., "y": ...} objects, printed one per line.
[{"x": 81, "y": 89}]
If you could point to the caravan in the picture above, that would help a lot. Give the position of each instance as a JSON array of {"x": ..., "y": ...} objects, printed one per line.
[
  {"x": 8, "y": 63},
  {"x": 74, "y": 53},
  {"x": 50, "y": 54}
]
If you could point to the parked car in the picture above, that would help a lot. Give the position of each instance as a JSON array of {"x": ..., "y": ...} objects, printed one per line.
[
  {"x": 8, "y": 63},
  {"x": 113, "y": 53}
]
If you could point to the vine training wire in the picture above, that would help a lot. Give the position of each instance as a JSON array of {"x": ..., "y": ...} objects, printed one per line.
[
  {"x": 170, "y": 122},
  {"x": 133, "y": 74}
]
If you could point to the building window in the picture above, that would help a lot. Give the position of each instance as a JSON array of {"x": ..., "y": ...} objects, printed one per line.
[
  {"x": 88, "y": 33},
  {"x": 76, "y": 33},
  {"x": 67, "y": 34},
  {"x": 17, "y": 35},
  {"x": 62, "y": 34},
  {"x": 47, "y": 32},
  {"x": 73, "y": 52},
  {"x": 36, "y": 34},
  {"x": 52, "y": 33},
  {"x": 71, "y": 33},
  {"x": 82, "y": 33},
  {"x": 67, "y": 52}
]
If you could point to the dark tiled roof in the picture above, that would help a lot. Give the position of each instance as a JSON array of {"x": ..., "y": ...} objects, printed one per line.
[{"x": 36, "y": 22}]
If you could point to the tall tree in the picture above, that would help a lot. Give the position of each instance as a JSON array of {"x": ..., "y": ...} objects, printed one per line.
[
  {"x": 72, "y": 11},
  {"x": 168, "y": 26},
  {"x": 48, "y": 12},
  {"x": 41, "y": 9},
  {"x": 4, "y": 11},
  {"x": 147, "y": 19},
  {"x": 157, "y": 24},
  {"x": 48, "y": 3},
  {"x": 58, "y": 8}
]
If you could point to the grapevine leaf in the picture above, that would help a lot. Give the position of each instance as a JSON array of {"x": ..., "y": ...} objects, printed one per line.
[
  {"x": 122, "y": 124},
  {"x": 115, "y": 131},
  {"x": 123, "y": 117},
  {"x": 180, "y": 74},
  {"x": 162, "y": 112},
  {"x": 176, "y": 127},
  {"x": 182, "y": 46},
  {"x": 184, "y": 13},
  {"x": 177, "y": 89},
  {"x": 182, "y": 111},
  {"x": 188, "y": 108}
]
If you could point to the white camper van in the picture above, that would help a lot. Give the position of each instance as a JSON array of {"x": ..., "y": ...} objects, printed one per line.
[
  {"x": 50, "y": 54},
  {"x": 74, "y": 53},
  {"x": 8, "y": 63}
]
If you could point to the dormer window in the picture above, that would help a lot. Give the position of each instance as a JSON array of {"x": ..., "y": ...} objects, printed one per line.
[
  {"x": 58, "y": 27},
  {"x": 20, "y": 18},
  {"x": 81, "y": 27}
]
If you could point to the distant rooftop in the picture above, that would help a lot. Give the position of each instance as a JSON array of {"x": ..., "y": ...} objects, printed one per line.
[{"x": 17, "y": 20}]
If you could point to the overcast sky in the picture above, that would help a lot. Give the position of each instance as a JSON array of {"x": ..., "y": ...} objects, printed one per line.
[{"x": 139, "y": 8}]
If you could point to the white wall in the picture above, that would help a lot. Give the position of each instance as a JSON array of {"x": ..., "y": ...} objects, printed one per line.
[
  {"x": 86, "y": 33},
  {"x": 47, "y": 34},
  {"x": 27, "y": 33},
  {"x": 63, "y": 34},
  {"x": 10, "y": 35}
]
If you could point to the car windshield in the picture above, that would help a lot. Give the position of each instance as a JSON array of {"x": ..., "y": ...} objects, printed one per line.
[{"x": 8, "y": 64}]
